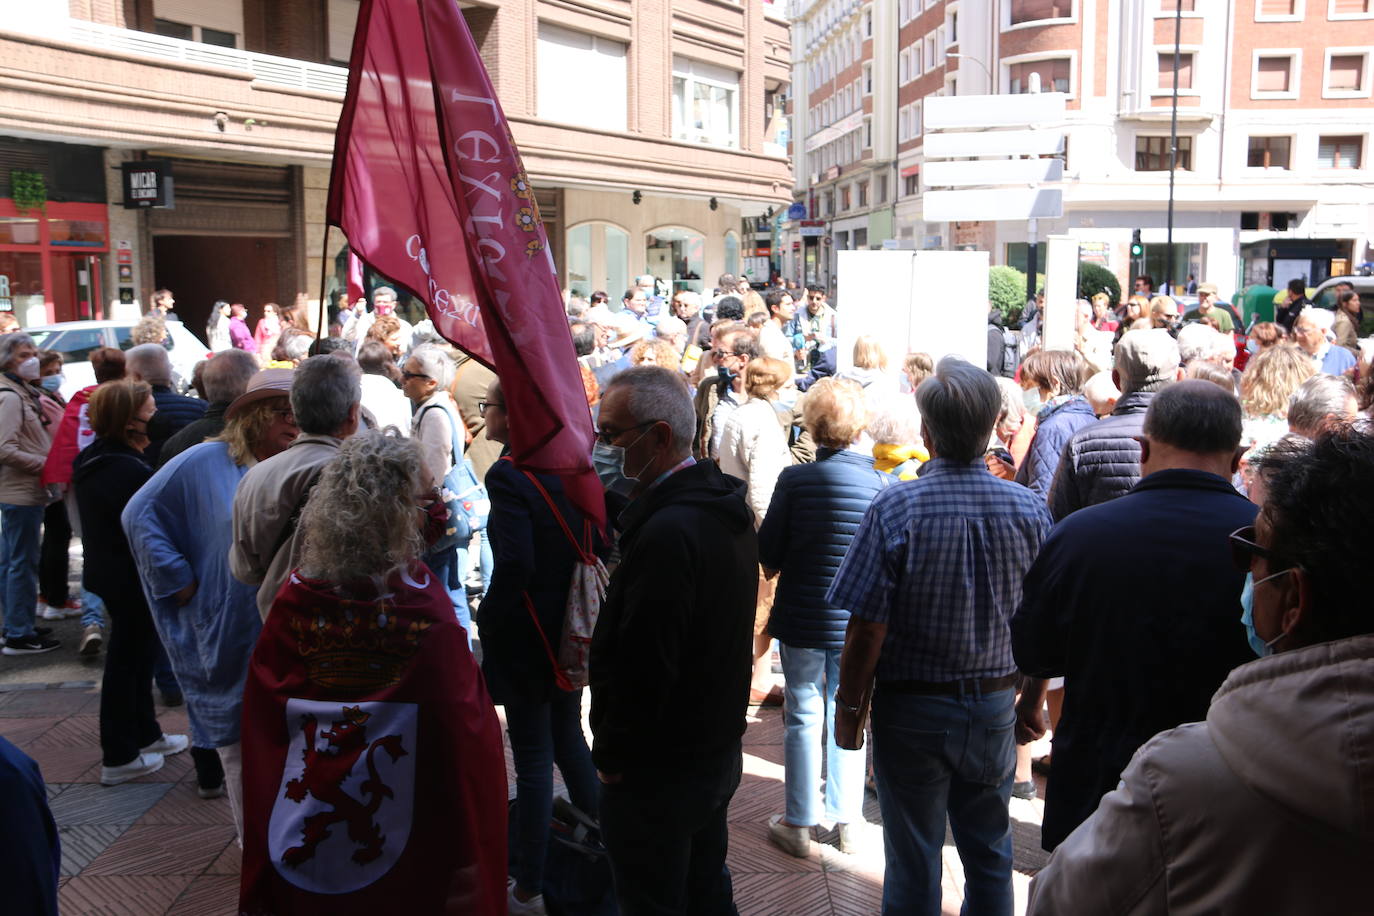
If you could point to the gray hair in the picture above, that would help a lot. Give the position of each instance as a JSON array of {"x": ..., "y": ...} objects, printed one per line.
[
  {"x": 1195, "y": 416},
  {"x": 1320, "y": 397},
  {"x": 297, "y": 346},
  {"x": 11, "y": 342},
  {"x": 1013, "y": 400},
  {"x": 659, "y": 394},
  {"x": 1319, "y": 317},
  {"x": 227, "y": 375},
  {"x": 1201, "y": 341},
  {"x": 151, "y": 363},
  {"x": 436, "y": 364},
  {"x": 669, "y": 326},
  {"x": 896, "y": 421},
  {"x": 959, "y": 405},
  {"x": 323, "y": 392}
]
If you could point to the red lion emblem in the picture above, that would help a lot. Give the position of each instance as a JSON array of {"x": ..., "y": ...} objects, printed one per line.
[{"x": 324, "y": 776}]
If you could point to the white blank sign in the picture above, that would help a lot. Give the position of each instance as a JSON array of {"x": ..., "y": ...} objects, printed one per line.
[
  {"x": 993, "y": 143},
  {"x": 992, "y": 204},
  {"x": 991, "y": 172},
  {"x": 1021, "y": 110}
]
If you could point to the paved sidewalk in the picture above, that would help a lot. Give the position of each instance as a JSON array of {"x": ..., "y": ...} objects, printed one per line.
[{"x": 152, "y": 846}]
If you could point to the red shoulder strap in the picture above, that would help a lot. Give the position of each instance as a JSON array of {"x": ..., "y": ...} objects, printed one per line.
[{"x": 584, "y": 549}]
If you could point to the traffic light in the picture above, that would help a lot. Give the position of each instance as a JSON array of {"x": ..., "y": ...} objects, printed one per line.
[{"x": 1137, "y": 249}]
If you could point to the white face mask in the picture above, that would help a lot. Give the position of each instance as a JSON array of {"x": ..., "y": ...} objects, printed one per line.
[{"x": 28, "y": 369}]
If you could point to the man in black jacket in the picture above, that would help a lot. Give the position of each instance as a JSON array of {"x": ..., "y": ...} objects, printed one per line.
[
  {"x": 1102, "y": 460},
  {"x": 1142, "y": 645},
  {"x": 150, "y": 363},
  {"x": 670, "y": 659}
]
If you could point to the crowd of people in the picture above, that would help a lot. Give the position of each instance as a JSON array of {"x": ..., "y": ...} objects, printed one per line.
[{"x": 951, "y": 561}]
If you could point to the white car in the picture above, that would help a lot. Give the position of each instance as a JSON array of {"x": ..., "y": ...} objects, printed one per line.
[{"x": 76, "y": 339}]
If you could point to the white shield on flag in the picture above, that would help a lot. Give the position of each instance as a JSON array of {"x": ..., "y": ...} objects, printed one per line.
[{"x": 343, "y": 810}]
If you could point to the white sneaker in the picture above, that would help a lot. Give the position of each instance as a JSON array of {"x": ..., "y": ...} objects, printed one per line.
[
  {"x": 55, "y": 612},
  {"x": 141, "y": 765},
  {"x": 794, "y": 841},
  {"x": 516, "y": 907},
  {"x": 857, "y": 837},
  {"x": 167, "y": 745}
]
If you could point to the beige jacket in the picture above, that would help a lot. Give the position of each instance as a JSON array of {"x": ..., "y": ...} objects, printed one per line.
[
  {"x": 433, "y": 430},
  {"x": 24, "y": 443},
  {"x": 1267, "y": 807},
  {"x": 267, "y": 498},
  {"x": 754, "y": 449}
]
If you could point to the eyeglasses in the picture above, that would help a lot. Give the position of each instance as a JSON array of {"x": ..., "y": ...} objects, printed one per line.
[
  {"x": 1244, "y": 549},
  {"x": 608, "y": 436},
  {"x": 407, "y": 376},
  {"x": 483, "y": 405}
]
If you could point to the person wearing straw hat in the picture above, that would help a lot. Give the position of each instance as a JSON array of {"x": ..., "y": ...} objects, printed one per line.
[{"x": 179, "y": 527}]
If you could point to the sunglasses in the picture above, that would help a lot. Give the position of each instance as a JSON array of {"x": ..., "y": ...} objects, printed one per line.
[
  {"x": 407, "y": 376},
  {"x": 1244, "y": 549}
]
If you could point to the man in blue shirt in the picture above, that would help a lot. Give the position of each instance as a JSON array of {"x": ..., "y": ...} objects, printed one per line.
[
  {"x": 1313, "y": 332},
  {"x": 932, "y": 579},
  {"x": 1143, "y": 645}
]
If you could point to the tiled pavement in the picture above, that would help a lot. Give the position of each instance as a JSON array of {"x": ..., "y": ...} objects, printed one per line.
[{"x": 152, "y": 846}]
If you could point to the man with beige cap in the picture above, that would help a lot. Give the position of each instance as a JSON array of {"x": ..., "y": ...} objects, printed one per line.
[
  {"x": 1208, "y": 306},
  {"x": 1102, "y": 460}
]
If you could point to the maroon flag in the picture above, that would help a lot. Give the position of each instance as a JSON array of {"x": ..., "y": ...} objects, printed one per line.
[{"x": 429, "y": 188}]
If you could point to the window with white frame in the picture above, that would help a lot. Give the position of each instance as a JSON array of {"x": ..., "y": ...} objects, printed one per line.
[
  {"x": 868, "y": 133},
  {"x": 1278, "y": 10},
  {"x": 931, "y": 59},
  {"x": 581, "y": 78},
  {"x": 1349, "y": 9},
  {"x": 916, "y": 119},
  {"x": 1269, "y": 153},
  {"x": 705, "y": 103},
  {"x": 1346, "y": 75},
  {"x": 1054, "y": 75},
  {"x": 1340, "y": 152},
  {"x": 1275, "y": 74},
  {"x": 1166, "y": 71},
  {"x": 917, "y": 65},
  {"x": 1023, "y": 11},
  {"x": 868, "y": 23},
  {"x": 903, "y": 124}
]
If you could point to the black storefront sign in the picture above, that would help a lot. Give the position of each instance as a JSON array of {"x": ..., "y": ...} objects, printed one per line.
[{"x": 147, "y": 183}]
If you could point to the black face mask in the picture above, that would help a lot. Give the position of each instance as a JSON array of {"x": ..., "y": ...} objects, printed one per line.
[
  {"x": 1174, "y": 324},
  {"x": 726, "y": 375}
]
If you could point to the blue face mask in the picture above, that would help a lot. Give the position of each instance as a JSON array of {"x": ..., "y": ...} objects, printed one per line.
[
  {"x": 1247, "y": 602},
  {"x": 51, "y": 382},
  {"x": 1250, "y": 346},
  {"x": 609, "y": 463}
]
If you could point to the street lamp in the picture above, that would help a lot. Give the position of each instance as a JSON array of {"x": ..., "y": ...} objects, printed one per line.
[{"x": 992, "y": 87}]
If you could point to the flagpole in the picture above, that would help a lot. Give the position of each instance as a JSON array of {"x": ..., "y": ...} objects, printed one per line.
[{"x": 324, "y": 262}]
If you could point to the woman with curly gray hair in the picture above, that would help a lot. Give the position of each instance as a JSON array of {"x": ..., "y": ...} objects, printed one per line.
[{"x": 361, "y": 650}]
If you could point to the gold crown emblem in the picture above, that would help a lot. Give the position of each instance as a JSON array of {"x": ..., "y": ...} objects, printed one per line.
[{"x": 367, "y": 647}]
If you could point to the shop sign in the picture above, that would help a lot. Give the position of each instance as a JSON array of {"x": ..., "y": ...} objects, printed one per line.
[
  {"x": 147, "y": 183},
  {"x": 1094, "y": 252},
  {"x": 910, "y": 170},
  {"x": 6, "y": 302},
  {"x": 126, "y": 295},
  {"x": 812, "y": 227},
  {"x": 126, "y": 273},
  {"x": 832, "y": 173}
]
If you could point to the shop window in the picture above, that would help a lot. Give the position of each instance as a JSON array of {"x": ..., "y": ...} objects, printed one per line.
[
  {"x": 1152, "y": 154},
  {"x": 597, "y": 257},
  {"x": 77, "y": 233},
  {"x": 18, "y": 230},
  {"x": 1269, "y": 153},
  {"x": 677, "y": 254},
  {"x": 732, "y": 253}
]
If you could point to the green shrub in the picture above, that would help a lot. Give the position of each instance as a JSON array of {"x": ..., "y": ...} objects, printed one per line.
[
  {"x": 1007, "y": 292},
  {"x": 1094, "y": 278}
]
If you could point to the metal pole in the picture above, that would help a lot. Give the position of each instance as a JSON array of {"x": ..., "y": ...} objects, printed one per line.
[
  {"x": 322, "y": 330},
  {"x": 1032, "y": 261},
  {"x": 1173, "y": 152}
]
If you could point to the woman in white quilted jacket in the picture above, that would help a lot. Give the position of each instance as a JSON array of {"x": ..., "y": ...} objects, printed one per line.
[{"x": 753, "y": 448}]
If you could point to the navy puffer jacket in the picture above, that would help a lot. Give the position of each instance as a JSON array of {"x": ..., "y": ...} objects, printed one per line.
[
  {"x": 815, "y": 512},
  {"x": 1053, "y": 428},
  {"x": 1102, "y": 460}
]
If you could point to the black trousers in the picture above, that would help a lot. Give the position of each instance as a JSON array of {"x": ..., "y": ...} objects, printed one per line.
[
  {"x": 127, "y": 719},
  {"x": 666, "y": 836},
  {"x": 53, "y": 562}
]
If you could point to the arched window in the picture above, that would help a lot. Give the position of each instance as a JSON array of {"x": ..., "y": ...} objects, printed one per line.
[
  {"x": 732, "y": 253},
  {"x": 598, "y": 258},
  {"x": 676, "y": 254}
]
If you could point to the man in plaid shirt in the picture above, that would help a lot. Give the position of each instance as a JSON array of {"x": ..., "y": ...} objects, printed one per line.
[{"x": 932, "y": 579}]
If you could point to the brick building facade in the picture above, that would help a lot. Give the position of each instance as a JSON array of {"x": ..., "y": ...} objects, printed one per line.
[
  {"x": 1275, "y": 121},
  {"x": 649, "y": 130}
]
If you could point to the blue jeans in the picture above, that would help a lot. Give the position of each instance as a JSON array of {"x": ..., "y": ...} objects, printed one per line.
[
  {"x": 92, "y": 609},
  {"x": 485, "y": 563},
  {"x": 542, "y": 734},
  {"x": 938, "y": 755},
  {"x": 445, "y": 564},
  {"x": 20, "y": 539},
  {"x": 813, "y": 676}
]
